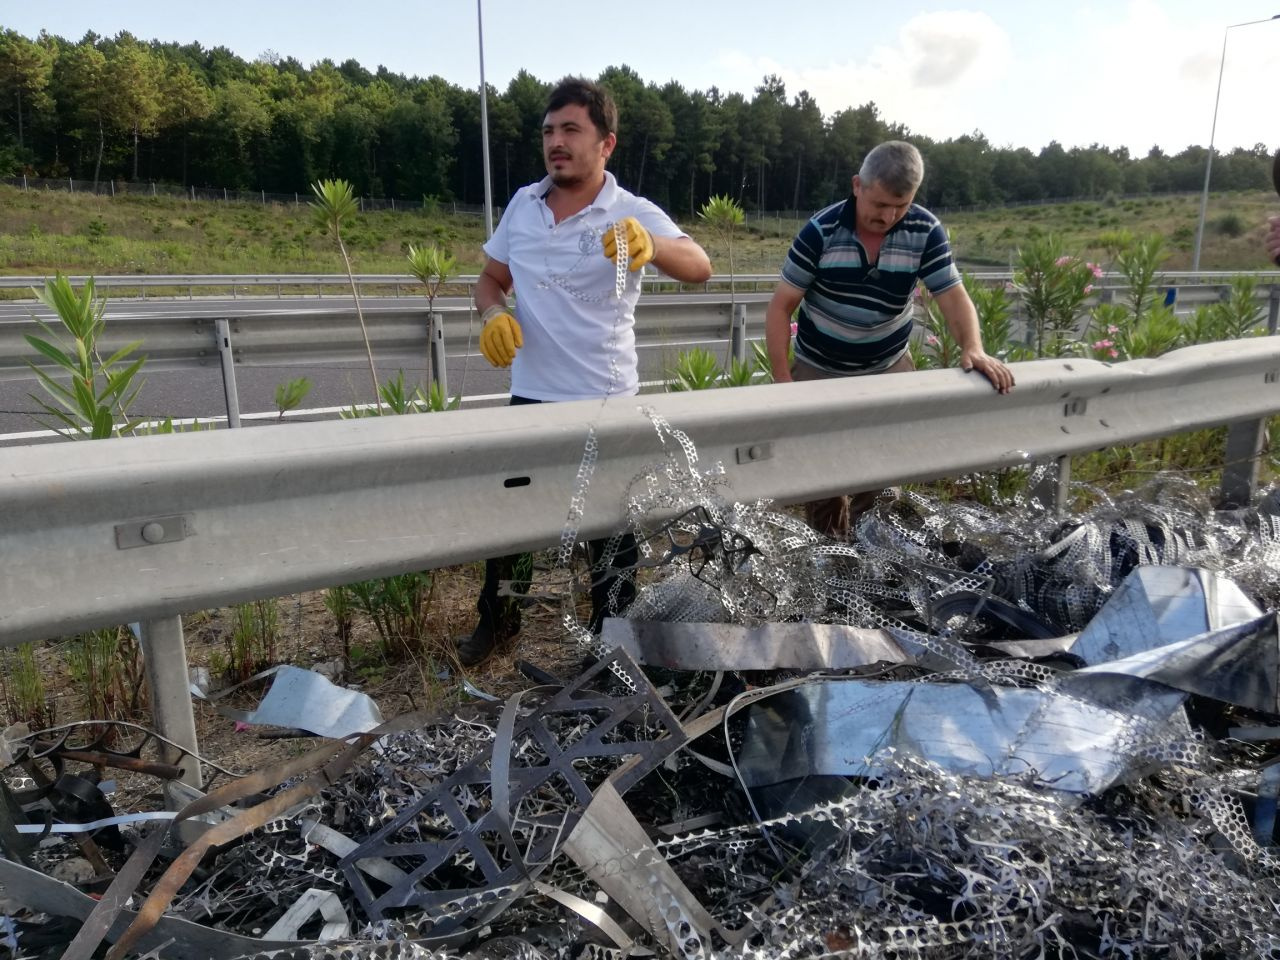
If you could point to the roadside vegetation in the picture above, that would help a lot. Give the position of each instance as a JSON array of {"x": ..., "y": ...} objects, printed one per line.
[{"x": 42, "y": 232}]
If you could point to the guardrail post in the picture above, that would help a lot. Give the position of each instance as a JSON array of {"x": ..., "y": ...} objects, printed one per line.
[
  {"x": 1245, "y": 441},
  {"x": 1273, "y": 312},
  {"x": 1053, "y": 489},
  {"x": 223, "y": 330},
  {"x": 165, "y": 658},
  {"x": 439, "y": 371},
  {"x": 738, "y": 333}
]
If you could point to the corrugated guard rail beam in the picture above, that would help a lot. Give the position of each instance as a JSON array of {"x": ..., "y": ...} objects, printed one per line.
[
  {"x": 94, "y": 534},
  {"x": 333, "y": 335},
  {"x": 330, "y": 333},
  {"x": 410, "y": 285}
]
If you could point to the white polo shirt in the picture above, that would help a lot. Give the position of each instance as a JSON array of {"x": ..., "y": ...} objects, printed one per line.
[{"x": 564, "y": 288}]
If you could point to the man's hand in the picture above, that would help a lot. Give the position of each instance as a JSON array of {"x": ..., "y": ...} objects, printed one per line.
[
  {"x": 501, "y": 336},
  {"x": 1273, "y": 240},
  {"x": 639, "y": 243},
  {"x": 1001, "y": 376}
]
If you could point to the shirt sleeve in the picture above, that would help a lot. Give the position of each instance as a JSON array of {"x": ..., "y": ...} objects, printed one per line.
[
  {"x": 498, "y": 247},
  {"x": 937, "y": 268},
  {"x": 801, "y": 265},
  {"x": 654, "y": 219}
]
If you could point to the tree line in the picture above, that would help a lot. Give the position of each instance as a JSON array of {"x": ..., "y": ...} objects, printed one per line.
[{"x": 120, "y": 108}]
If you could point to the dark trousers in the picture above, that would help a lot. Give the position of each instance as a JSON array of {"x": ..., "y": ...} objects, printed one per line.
[
  {"x": 503, "y": 612},
  {"x": 835, "y": 516}
]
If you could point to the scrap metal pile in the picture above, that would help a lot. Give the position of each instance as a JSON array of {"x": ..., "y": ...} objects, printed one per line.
[{"x": 965, "y": 732}]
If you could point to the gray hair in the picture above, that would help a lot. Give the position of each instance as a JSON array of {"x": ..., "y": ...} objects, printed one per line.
[{"x": 896, "y": 165}]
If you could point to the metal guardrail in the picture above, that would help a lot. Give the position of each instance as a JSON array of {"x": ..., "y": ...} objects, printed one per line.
[
  {"x": 309, "y": 284},
  {"x": 407, "y": 285},
  {"x": 329, "y": 332},
  {"x": 94, "y": 534},
  {"x": 148, "y": 528}
]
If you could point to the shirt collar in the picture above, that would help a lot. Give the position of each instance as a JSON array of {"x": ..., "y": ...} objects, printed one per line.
[{"x": 603, "y": 201}]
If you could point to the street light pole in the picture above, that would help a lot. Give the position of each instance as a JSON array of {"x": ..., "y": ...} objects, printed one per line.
[
  {"x": 484, "y": 130},
  {"x": 1213, "y": 129}
]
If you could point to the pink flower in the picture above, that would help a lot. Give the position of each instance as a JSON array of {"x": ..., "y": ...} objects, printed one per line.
[
  {"x": 1097, "y": 270},
  {"x": 1062, "y": 261},
  {"x": 794, "y": 328},
  {"x": 931, "y": 340},
  {"x": 1112, "y": 328},
  {"x": 1088, "y": 288},
  {"x": 1102, "y": 344},
  {"x": 1009, "y": 287},
  {"x": 1113, "y": 352}
]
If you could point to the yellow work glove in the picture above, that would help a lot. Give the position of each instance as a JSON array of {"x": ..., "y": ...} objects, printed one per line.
[
  {"x": 639, "y": 243},
  {"x": 501, "y": 336}
]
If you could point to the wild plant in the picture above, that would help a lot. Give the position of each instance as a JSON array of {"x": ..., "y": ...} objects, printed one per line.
[
  {"x": 255, "y": 633},
  {"x": 724, "y": 216},
  {"x": 740, "y": 373},
  {"x": 696, "y": 369},
  {"x": 398, "y": 400},
  {"x": 1054, "y": 287},
  {"x": 337, "y": 600},
  {"x": 397, "y": 606},
  {"x": 94, "y": 403},
  {"x": 107, "y": 669},
  {"x": 433, "y": 267},
  {"x": 1156, "y": 331},
  {"x": 938, "y": 348},
  {"x": 334, "y": 208},
  {"x": 26, "y": 699},
  {"x": 290, "y": 394},
  {"x": 168, "y": 426},
  {"x": 995, "y": 317},
  {"x": 1140, "y": 262}
]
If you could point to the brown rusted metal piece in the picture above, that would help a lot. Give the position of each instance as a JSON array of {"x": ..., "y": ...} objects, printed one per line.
[
  {"x": 333, "y": 759},
  {"x": 165, "y": 771}
]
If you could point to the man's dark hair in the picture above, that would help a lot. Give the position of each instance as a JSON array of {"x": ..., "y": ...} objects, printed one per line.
[{"x": 584, "y": 93}]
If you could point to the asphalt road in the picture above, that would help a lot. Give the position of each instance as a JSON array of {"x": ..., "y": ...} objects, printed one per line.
[{"x": 199, "y": 392}]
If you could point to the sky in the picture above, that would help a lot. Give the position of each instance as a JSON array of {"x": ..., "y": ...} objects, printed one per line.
[{"x": 1133, "y": 73}]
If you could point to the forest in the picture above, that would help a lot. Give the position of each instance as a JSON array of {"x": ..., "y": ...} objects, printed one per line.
[{"x": 124, "y": 109}]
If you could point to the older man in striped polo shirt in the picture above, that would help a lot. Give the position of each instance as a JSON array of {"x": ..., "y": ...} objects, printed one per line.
[{"x": 852, "y": 271}]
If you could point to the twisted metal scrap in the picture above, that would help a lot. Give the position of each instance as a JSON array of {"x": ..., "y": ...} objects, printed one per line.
[
  {"x": 496, "y": 823},
  {"x": 917, "y": 862}
]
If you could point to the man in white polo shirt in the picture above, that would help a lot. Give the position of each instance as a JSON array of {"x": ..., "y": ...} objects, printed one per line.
[{"x": 569, "y": 337}]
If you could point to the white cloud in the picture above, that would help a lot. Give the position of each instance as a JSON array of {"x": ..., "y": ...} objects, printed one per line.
[
  {"x": 942, "y": 49},
  {"x": 1132, "y": 75},
  {"x": 1146, "y": 78},
  {"x": 928, "y": 77}
]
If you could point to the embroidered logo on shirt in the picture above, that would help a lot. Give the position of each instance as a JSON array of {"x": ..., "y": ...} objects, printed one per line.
[{"x": 589, "y": 240}]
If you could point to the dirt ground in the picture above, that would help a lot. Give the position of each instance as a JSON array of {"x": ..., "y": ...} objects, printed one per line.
[{"x": 308, "y": 636}]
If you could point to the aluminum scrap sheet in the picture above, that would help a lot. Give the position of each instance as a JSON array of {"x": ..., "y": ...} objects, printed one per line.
[
  {"x": 307, "y": 700},
  {"x": 1155, "y": 606},
  {"x": 731, "y": 646},
  {"x": 1238, "y": 664},
  {"x": 840, "y": 727}
]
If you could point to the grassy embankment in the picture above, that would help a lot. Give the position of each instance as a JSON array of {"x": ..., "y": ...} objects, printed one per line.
[{"x": 41, "y": 232}]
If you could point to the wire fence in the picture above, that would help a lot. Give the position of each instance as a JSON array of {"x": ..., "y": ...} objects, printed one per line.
[{"x": 125, "y": 188}]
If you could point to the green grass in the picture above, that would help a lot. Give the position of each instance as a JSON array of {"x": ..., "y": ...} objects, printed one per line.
[
  {"x": 42, "y": 232},
  {"x": 83, "y": 234},
  {"x": 1234, "y": 228}
]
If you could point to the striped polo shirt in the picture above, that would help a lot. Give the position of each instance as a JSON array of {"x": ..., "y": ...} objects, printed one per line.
[{"x": 856, "y": 316}]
